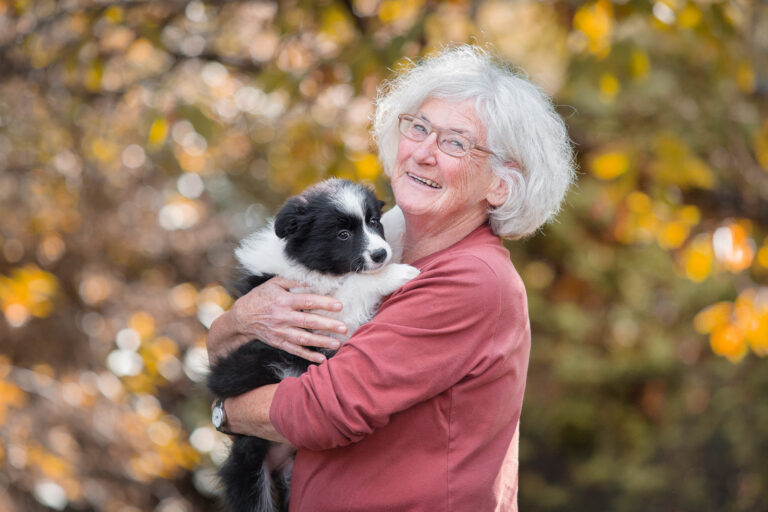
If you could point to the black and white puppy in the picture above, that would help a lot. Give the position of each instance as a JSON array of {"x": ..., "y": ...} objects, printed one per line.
[{"x": 330, "y": 238}]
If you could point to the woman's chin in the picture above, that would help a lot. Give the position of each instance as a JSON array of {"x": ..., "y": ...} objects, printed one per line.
[
  {"x": 414, "y": 204},
  {"x": 416, "y": 195}
]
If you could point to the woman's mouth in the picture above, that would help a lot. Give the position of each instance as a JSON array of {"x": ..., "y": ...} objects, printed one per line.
[{"x": 425, "y": 181}]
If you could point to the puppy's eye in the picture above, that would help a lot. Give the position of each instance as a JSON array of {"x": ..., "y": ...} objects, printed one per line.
[
  {"x": 344, "y": 234},
  {"x": 374, "y": 221}
]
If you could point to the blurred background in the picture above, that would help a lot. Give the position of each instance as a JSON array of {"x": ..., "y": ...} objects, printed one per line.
[{"x": 139, "y": 140}]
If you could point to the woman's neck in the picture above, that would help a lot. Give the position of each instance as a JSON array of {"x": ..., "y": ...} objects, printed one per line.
[{"x": 423, "y": 238}]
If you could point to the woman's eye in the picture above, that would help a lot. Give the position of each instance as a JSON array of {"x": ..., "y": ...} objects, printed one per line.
[
  {"x": 420, "y": 128},
  {"x": 344, "y": 234},
  {"x": 457, "y": 143}
]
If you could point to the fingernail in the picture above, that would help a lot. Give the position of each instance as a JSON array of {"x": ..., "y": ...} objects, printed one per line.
[
  {"x": 337, "y": 306},
  {"x": 308, "y": 304},
  {"x": 341, "y": 329},
  {"x": 319, "y": 359},
  {"x": 335, "y": 345}
]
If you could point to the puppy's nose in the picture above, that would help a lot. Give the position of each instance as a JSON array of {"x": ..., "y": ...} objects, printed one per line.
[{"x": 379, "y": 255}]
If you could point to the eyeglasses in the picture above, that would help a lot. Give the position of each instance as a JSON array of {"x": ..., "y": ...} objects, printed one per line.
[{"x": 448, "y": 141}]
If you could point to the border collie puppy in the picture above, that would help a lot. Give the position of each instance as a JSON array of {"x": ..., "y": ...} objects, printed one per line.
[{"x": 330, "y": 238}]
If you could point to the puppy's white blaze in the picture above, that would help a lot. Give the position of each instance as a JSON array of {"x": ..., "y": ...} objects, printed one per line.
[
  {"x": 374, "y": 242},
  {"x": 351, "y": 200}
]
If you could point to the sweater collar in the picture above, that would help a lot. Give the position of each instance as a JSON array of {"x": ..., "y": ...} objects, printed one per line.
[{"x": 480, "y": 235}]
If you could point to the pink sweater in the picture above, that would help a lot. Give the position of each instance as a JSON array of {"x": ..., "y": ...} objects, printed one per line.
[{"x": 417, "y": 411}]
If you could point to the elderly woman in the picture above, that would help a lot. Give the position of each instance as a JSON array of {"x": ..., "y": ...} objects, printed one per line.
[{"x": 418, "y": 410}]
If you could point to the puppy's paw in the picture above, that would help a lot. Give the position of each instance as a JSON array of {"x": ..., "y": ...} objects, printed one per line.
[{"x": 400, "y": 273}]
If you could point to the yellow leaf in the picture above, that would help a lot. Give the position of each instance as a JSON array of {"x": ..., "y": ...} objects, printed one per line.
[
  {"x": 676, "y": 164},
  {"x": 93, "y": 75},
  {"x": 114, "y": 14},
  {"x": 28, "y": 291},
  {"x": 610, "y": 164},
  {"x": 762, "y": 255},
  {"x": 609, "y": 87},
  {"x": 392, "y": 11},
  {"x": 367, "y": 167},
  {"x": 336, "y": 25},
  {"x": 712, "y": 316},
  {"x": 672, "y": 235},
  {"x": 595, "y": 21},
  {"x": 757, "y": 336},
  {"x": 699, "y": 259},
  {"x": 689, "y": 16},
  {"x": 389, "y": 11},
  {"x": 158, "y": 132},
  {"x": 12, "y": 395},
  {"x": 728, "y": 341},
  {"x": 689, "y": 215},
  {"x": 103, "y": 149}
]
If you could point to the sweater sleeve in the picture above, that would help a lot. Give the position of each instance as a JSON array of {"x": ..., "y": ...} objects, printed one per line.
[{"x": 430, "y": 334}]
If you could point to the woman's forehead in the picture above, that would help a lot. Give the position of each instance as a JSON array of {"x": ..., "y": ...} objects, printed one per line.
[{"x": 459, "y": 116}]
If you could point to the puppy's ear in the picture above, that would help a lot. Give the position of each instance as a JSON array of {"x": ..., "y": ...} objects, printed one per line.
[
  {"x": 290, "y": 216},
  {"x": 381, "y": 204}
]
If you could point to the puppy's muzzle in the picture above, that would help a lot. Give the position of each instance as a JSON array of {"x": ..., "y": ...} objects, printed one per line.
[{"x": 376, "y": 258}]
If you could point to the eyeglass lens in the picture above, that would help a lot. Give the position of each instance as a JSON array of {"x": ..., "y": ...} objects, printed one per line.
[{"x": 448, "y": 141}]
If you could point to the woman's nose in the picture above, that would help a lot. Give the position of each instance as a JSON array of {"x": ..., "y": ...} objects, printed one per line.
[{"x": 427, "y": 149}]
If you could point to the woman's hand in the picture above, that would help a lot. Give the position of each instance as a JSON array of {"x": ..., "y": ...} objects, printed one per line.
[{"x": 274, "y": 315}]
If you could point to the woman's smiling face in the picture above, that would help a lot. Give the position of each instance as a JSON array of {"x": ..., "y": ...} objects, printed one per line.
[{"x": 428, "y": 182}]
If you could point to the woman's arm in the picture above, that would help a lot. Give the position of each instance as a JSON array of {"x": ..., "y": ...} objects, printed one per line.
[
  {"x": 456, "y": 319},
  {"x": 248, "y": 414},
  {"x": 274, "y": 315}
]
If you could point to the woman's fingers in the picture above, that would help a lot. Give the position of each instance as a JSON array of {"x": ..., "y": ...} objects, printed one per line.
[
  {"x": 309, "y": 301},
  {"x": 309, "y": 339},
  {"x": 305, "y": 300},
  {"x": 284, "y": 282},
  {"x": 292, "y": 347},
  {"x": 315, "y": 322},
  {"x": 280, "y": 318}
]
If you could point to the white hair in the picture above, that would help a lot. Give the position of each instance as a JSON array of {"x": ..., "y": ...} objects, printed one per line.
[{"x": 522, "y": 125}]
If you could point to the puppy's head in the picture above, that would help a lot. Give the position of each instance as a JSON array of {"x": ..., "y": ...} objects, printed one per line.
[{"x": 334, "y": 227}]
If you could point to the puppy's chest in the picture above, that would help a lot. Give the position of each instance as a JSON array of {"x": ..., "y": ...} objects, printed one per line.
[
  {"x": 320, "y": 284},
  {"x": 358, "y": 300}
]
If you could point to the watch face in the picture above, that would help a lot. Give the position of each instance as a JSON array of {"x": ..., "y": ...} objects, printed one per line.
[{"x": 217, "y": 416}]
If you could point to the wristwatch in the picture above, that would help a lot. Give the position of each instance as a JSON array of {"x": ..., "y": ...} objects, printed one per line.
[{"x": 219, "y": 417}]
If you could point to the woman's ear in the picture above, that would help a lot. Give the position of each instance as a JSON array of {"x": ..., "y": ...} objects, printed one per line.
[{"x": 499, "y": 191}]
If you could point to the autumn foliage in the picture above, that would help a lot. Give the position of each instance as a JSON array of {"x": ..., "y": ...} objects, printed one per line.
[{"x": 139, "y": 140}]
